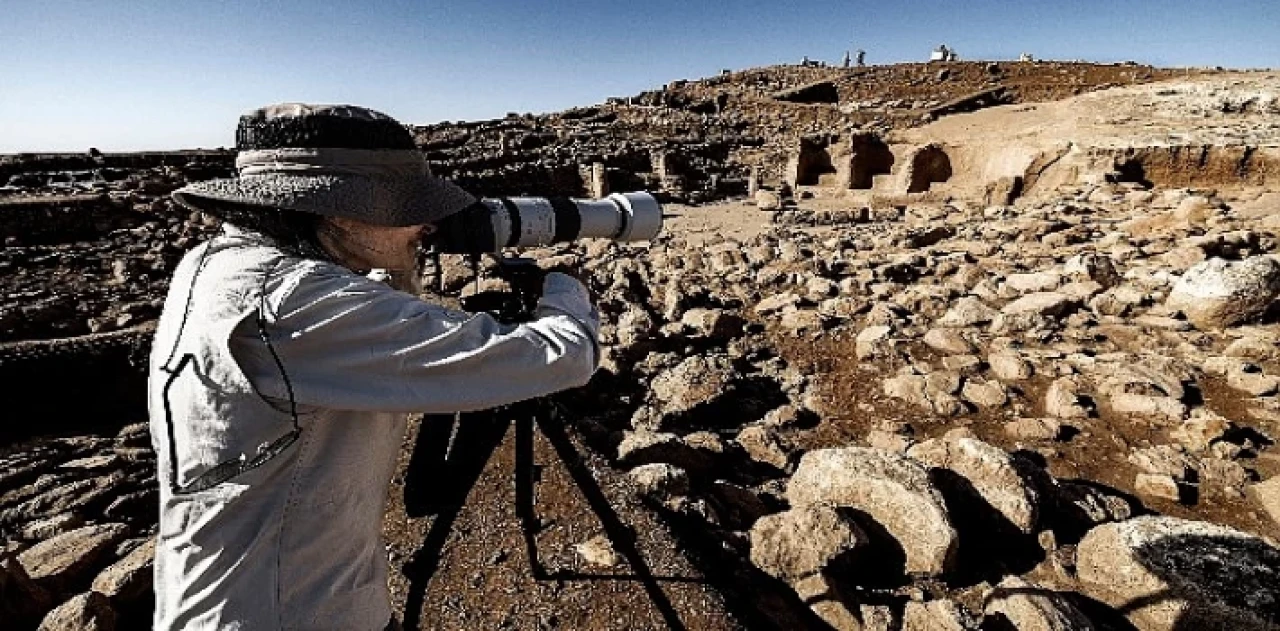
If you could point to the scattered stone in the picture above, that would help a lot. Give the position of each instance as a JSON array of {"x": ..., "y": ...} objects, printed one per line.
[
  {"x": 660, "y": 480},
  {"x": 1092, "y": 266},
  {"x": 768, "y": 200},
  {"x": 1063, "y": 399},
  {"x": 804, "y": 540},
  {"x": 968, "y": 311},
  {"x": 1009, "y": 366},
  {"x": 89, "y": 611},
  {"x": 1046, "y": 304},
  {"x": 69, "y": 557},
  {"x": 1035, "y": 429},
  {"x": 947, "y": 341},
  {"x": 1155, "y": 485},
  {"x": 1201, "y": 430},
  {"x": 893, "y": 490},
  {"x": 51, "y": 527},
  {"x": 128, "y": 579},
  {"x": 1217, "y": 293},
  {"x": 985, "y": 394},
  {"x": 1267, "y": 495},
  {"x": 642, "y": 447},
  {"x": 1025, "y": 606},
  {"x": 874, "y": 342},
  {"x": 761, "y": 444},
  {"x": 936, "y": 615},
  {"x": 598, "y": 551}
]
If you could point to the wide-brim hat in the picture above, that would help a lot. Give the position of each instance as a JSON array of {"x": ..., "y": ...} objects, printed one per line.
[{"x": 332, "y": 160}]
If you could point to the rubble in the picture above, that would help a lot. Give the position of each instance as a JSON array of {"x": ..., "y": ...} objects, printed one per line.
[{"x": 860, "y": 337}]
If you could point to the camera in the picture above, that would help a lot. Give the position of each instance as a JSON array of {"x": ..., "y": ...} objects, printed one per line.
[{"x": 492, "y": 224}]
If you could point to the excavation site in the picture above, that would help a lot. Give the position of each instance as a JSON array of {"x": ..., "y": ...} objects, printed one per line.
[{"x": 945, "y": 346}]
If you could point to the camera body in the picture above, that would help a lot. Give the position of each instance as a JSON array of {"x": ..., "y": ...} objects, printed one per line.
[{"x": 509, "y": 222}]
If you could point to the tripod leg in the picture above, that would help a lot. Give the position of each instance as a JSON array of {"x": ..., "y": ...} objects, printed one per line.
[
  {"x": 620, "y": 535},
  {"x": 525, "y": 479},
  {"x": 477, "y": 437}
]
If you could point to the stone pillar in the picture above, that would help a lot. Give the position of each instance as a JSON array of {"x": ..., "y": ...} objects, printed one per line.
[
  {"x": 599, "y": 181},
  {"x": 753, "y": 182}
]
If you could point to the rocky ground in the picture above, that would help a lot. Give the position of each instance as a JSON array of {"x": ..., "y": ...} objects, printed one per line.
[{"x": 937, "y": 413}]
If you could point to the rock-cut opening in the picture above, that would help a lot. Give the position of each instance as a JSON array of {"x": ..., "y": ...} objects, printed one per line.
[
  {"x": 871, "y": 157},
  {"x": 928, "y": 166},
  {"x": 815, "y": 167}
]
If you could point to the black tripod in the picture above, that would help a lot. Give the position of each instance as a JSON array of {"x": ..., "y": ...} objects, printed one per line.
[{"x": 451, "y": 452}]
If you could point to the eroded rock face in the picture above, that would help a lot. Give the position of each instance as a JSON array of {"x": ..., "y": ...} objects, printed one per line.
[
  {"x": 1170, "y": 574},
  {"x": 1217, "y": 293},
  {"x": 891, "y": 489}
]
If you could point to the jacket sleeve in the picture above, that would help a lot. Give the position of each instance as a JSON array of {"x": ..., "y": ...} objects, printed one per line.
[{"x": 350, "y": 343}]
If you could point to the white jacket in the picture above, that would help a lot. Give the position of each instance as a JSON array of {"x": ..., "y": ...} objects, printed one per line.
[{"x": 289, "y": 537}]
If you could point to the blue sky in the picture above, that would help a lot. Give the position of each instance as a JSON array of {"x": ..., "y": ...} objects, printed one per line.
[{"x": 142, "y": 74}]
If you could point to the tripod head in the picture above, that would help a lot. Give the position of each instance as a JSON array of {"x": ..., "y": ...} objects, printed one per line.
[{"x": 515, "y": 304}]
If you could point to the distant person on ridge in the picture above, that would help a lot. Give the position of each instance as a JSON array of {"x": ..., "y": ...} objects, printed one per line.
[{"x": 281, "y": 375}]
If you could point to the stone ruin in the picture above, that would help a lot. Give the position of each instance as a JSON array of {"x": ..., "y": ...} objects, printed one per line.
[{"x": 952, "y": 383}]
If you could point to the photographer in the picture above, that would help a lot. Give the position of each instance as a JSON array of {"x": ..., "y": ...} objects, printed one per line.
[{"x": 281, "y": 374}]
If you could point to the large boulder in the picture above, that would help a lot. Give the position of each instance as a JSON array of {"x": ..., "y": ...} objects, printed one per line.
[
  {"x": 1171, "y": 574},
  {"x": 804, "y": 540},
  {"x": 990, "y": 473},
  {"x": 892, "y": 490},
  {"x": 1218, "y": 293}
]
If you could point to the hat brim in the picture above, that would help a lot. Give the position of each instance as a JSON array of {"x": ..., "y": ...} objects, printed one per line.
[{"x": 386, "y": 201}]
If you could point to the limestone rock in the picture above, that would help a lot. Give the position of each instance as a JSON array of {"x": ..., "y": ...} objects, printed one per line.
[
  {"x": 1063, "y": 399},
  {"x": 660, "y": 480},
  {"x": 768, "y": 200},
  {"x": 65, "y": 559},
  {"x": 1156, "y": 485},
  {"x": 1046, "y": 304},
  {"x": 129, "y": 578},
  {"x": 598, "y": 551},
  {"x": 22, "y": 602},
  {"x": 692, "y": 382},
  {"x": 1024, "y": 606},
  {"x": 1267, "y": 495},
  {"x": 936, "y": 615},
  {"x": 645, "y": 447},
  {"x": 1009, "y": 366},
  {"x": 761, "y": 444},
  {"x": 1171, "y": 574},
  {"x": 893, "y": 490},
  {"x": 967, "y": 311},
  {"x": 947, "y": 341},
  {"x": 1218, "y": 293},
  {"x": 991, "y": 472},
  {"x": 1035, "y": 429},
  {"x": 89, "y": 611},
  {"x": 804, "y": 540}
]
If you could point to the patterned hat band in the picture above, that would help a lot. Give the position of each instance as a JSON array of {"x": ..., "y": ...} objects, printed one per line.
[{"x": 377, "y": 163}]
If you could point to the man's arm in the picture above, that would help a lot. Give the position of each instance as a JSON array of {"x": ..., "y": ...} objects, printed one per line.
[{"x": 347, "y": 342}]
